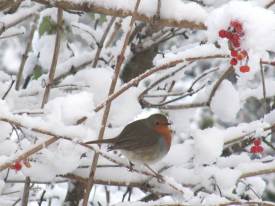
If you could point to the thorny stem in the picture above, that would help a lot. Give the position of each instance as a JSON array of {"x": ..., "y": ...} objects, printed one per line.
[
  {"x": 119, "y": 63},
  {"x": 55, "y": 57}
]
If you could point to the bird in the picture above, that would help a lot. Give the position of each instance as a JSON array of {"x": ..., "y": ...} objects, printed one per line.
[{"x": 143, "y": 141}]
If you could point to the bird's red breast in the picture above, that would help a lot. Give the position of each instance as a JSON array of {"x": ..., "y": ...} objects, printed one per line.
[{"x": 165, "y": 132}]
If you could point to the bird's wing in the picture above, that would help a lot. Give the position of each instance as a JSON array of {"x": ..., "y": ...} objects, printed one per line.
[{"x": 135, "y": 136}]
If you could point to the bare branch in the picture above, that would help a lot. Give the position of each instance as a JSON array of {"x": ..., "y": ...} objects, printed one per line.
[
  {"x": 55, "y": 56},
  {"x": 264, "y": 88},
  {"x": 25, "y": 55},
  {"x": 25, "y": 197},
  {"x": 100, "y": 44},
  {"x": 270, "y": 4}
]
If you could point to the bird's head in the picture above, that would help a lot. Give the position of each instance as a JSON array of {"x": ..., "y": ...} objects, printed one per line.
[
  {"x": 160, "y": 124},
  {"x": 158, "y": 121}
]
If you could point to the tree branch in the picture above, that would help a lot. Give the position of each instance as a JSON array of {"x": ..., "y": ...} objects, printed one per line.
[
  {"x": 55, "y": 56},
  {"x": 92, "y": 7}
]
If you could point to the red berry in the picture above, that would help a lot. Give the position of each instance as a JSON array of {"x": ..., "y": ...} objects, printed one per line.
[
  {"x": 233, "y": 61},
  {"x": 222, "y": 33},
  {"x": 256, "y": 149},
  {"x": 244, "y": 69},
  {"x": 253, "y": 149},
  {"x": 234, "y": 53},
  {"x": 16, "y": 166},
  {"x": 257, "y": 142},
  {"x": 235, "y": 39},
  {"x": 237, "y": 26}
]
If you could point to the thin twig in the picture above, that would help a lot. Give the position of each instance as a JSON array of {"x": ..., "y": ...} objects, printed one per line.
[
  {"x": 270, "y": 4},
  {"x": 55, "y": 56},
  {"x": 85, "y": 30},
  {"x": 11, "y": 35},
  {"x": 168, "y": 91},
  {"x": 119, "y": 63},
  {"x": 42, "y": 198},
  {"x": 29, "y": 152},
  {"x": 101, "y": 42},
  {"x": 18, "y": 17},
  {"x": 9, "y": 89},
  {"x": 25, "y": 197},
  {"x": 25, "y": 55},
  {"x": 264, "y": 88},
  {"x": 114, "y": 33},
  {"x": 247, "y": 203}
]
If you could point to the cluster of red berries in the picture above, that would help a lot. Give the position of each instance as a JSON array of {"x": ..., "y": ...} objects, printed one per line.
[
  {"x": 17, "y": 165},
  {"x": 234, "y": 34},
  {"x": 257, "y": 148}
]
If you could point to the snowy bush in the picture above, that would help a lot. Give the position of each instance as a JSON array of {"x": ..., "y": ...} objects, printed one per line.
[{"x": 77, "y": 71}]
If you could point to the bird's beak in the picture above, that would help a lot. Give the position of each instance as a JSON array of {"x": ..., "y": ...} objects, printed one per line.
[{"x": 168, "y": 123}]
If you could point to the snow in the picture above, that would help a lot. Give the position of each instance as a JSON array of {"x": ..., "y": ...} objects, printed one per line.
[
  {"x": 60, "y": 108},
  {"x": 253, "y": 187},
  {"x": 177, "y": 9},
  {"x": 226, "y": 102},
  {"x": 208, "y": 145},
  {"x": 195, "y": 163}
]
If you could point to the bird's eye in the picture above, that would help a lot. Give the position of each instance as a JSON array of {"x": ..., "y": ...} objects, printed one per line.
[{"x": 157, "y": 123}]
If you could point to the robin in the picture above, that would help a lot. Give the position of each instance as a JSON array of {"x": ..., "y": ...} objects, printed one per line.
[{"x": 143, "y": 141}]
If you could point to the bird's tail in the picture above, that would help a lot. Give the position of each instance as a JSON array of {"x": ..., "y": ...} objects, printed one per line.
[{"x": 103, "y": 141}]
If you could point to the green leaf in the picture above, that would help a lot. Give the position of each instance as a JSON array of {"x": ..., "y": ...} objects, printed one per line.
[
  {"x": 37, "y": 72},
  {"x": 47, "y": 26}
]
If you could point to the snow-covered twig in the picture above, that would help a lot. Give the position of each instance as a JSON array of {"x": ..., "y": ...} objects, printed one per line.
[
  {"x": 11, "y": 20},
  {"x": 89, "y": 6},
  {"x": 120, "y": 60},
  {"x": 245, "y": 203}
]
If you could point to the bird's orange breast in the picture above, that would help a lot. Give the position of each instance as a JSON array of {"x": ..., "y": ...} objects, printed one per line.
[{"x": 165, "y": 132}]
